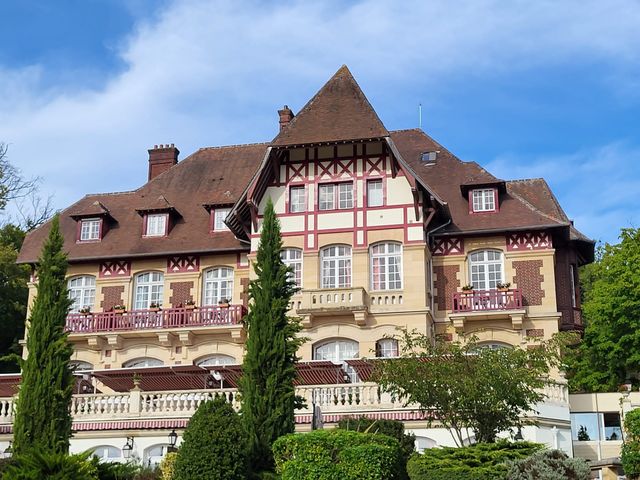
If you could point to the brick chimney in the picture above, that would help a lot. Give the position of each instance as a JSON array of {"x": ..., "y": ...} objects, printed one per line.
[
  {"x": 286, "y": 115},
  {"x": 162, "y": 158}
]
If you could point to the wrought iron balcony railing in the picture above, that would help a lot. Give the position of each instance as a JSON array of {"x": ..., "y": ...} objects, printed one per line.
[{"x": 167, "y": 318}]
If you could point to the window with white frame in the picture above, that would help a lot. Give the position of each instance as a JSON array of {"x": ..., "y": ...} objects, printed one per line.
[
  {"x": 292, "y": 257},
  {"x": 375, "y": 193},
  {"x": 149, "y": 289},
  {"x": 217, "y": 359},
  {"x": 79, "y": 366},
  {"x": 217, "y": 285},
  {"x": 153, "y": 455},
  {"x": 335, "y": 269},
  {"x": 483, "y": 200},
  {"x": 335, "y": 195},
  {"x": 219, "y": 215},
  {"x": 82, "y": 292},
  {"x": 485, "y": 269},
  {"x": 156, "y": 225},
  {"x": 90, "y": 229},
  {"x": 297, "y": 200},
  {"x": 386, "y": 266},
  {"x": 387, "y": 348},
  {"x": 107, "y": 453},
  {"x": 338, "y": 351},
  {"x": 143, "y": 362}
]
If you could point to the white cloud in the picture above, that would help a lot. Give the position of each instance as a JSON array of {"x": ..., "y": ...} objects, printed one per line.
[{"x": 212, "y": 72}]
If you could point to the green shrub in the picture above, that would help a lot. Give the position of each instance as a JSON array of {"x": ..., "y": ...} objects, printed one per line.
[
  {"x": 392, "y": 428},
  {"x": 338, "y": 454},
  {"x": 630, "y": 456},
  {"x": 4, "y": 464},
  {"x": 168, "y": 465},
  {"x": 51, "y": 466},
  {"x": 213, "y": 446},
  {"x": 483, "y": 461},
  {"x": 549, "y": 465}
]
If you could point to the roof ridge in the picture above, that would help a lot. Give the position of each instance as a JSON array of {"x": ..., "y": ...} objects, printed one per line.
[{"x": 220, "y": 147}]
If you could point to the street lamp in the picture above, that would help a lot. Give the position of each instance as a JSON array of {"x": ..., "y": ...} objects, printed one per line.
[
  {"x": 128, "y": 448},
  {"x": 173, "y": 438},
  {"x": 518, "y": 436}
]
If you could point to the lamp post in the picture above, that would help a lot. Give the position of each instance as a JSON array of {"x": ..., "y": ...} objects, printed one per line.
[
  {"x": 128, "y": 448},
  {"x": 518, "y": 436},
  {"x": 173, "y": 438}
]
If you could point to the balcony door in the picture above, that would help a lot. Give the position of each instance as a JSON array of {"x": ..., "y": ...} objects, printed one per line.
[
  {"x": 217, "y": 285},
  {"x": 485, "y": 269},
  {"x": 149, "y": 290},
  {"x": 336, "y": 267}
]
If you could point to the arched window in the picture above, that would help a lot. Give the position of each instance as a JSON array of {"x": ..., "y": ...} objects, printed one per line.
[
  {"x": 154, "y": 455},
  {"x": 79, "y": 366},
  {"x": 387, "y": 348},
  {"x": 485, "y": 269},
  {"x": 149, "y": 288},
  {"x": 292, "y": 257},
  {"x": 336, "y": 267},
  {"x": 338, "y": 351},
  {"x": 217, "y": 285},
  {"x": 386, "y": 266},
  {"x": 422, "y": 443},
  {"x": 143, "y": 362},
  {"x": 217, "y": 359},
  {"x": 82, "y": 292},
  {"x": 107, "y": 453}
]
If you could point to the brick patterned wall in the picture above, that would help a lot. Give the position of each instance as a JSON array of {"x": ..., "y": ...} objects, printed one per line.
[
  {"x": 529, "y": 279},
  {"x": 244, "y": 296},
  {"x": 535, "y": 332},
  {"x": 111, "y": 296},
  {"x": 180, "y": 293},
  {"x": 571, "y": 318},
  {"x": 446, "y": 283}
]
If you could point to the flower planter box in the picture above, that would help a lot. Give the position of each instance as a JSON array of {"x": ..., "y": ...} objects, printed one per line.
[{"x": 119, "y": 311}]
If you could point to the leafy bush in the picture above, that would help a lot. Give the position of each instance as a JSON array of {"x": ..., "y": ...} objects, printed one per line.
[
  {"x": 168, "y": 465},
  {"x": 483, "y": 461},
  {"x": 4, "y": 464},
  {"x": 51, "y": 466},
  {"x": 124, "y": 471},
  {"x": 630, "y": 456},
  {"x": 549, "y": 465},
  {"x": 338, "y": 454},
  {"x": 214, "y": 446}
]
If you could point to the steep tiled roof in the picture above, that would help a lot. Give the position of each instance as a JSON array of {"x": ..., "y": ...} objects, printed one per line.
[
  {"x": 339, "y": 111},
  {"x": 209, "y": 176}
]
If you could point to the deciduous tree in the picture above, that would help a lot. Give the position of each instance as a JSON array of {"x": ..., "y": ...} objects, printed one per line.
[
  {"x": 43, "y": 421},
  {"x": 266, "y": 386}
]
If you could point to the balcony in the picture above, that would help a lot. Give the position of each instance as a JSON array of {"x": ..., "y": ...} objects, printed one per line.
[
  {"x": 168, "y": 318},
  {"x": 331, "y": 301},
  {"x": 487, "y": 305},
  {"x": 483, "y": 300}
]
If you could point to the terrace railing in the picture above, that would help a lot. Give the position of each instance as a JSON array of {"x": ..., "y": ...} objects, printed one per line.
[{"x": 487, "y": 300}]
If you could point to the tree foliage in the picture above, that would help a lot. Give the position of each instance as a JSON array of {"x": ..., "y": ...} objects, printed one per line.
[
  {"x": 549, "y": 465},
  {"x": 213, "y": 445},
  {"x": 482, "y": 461},
  {"x": 43, "y": 421},
  {"x": 466, "y": 387},
  {"x": 38, "y": 465},
  {"x": 13, "y": 296},
  {"x": 631, "y": 448},
  {"x": 609, "y": 354},
  {"x": 268, "y": 394}
]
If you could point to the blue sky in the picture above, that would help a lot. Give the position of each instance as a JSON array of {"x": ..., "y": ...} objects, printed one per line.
[{"x": 526, "y": 89}]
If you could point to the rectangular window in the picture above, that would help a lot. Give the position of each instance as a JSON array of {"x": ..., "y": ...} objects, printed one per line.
[
  {"x": 483, "y": 200},
  {"x": 297, "y": 199},
  {"x": 375, "y": 197},
  {"x": 345, "y": 192},
  {"x": 90, "y": 229},
  {"x": 156, "y": 225},
  {"x": 326, "y": 196},
  {"x": 592, "y": 427},
  {"x": 219, "y": 216}
]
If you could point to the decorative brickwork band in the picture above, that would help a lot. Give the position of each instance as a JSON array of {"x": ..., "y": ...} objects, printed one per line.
[
  {"x": 181, "y": 292},
  {"x": 529, "y": 280},
  {"x": 535, "y": 332},
  {"x": 448, "y": 246},
  {"x": 523, "y": 241},
  {"x": 115, "y": 268},
  {"x": 183, "y": 264},
  {"x": 446, "y": 283},
  {"x": 111, "y": 296}
]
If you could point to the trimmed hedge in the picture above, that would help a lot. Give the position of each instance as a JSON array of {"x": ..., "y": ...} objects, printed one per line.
[
  {"x": 483, "y": 461},
  {"x": 338, "y": 454}
]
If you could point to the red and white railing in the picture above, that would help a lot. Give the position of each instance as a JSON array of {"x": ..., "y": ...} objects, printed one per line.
[
  {"x": 484, "y": 300},
  {"x": 152, "y": 319}
]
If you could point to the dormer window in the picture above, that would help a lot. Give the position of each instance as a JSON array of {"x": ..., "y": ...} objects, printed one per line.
[
  {"x": 219, "y": 216},
  {"x": 90, "y": 229},
  {"x": 156, "y": 225},
  {"x": 484, "y": 200}
]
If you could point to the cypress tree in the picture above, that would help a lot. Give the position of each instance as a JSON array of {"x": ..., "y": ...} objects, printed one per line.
[
  {"x": 43, "y": 421},
  {"x": 268, "y": 393}
]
